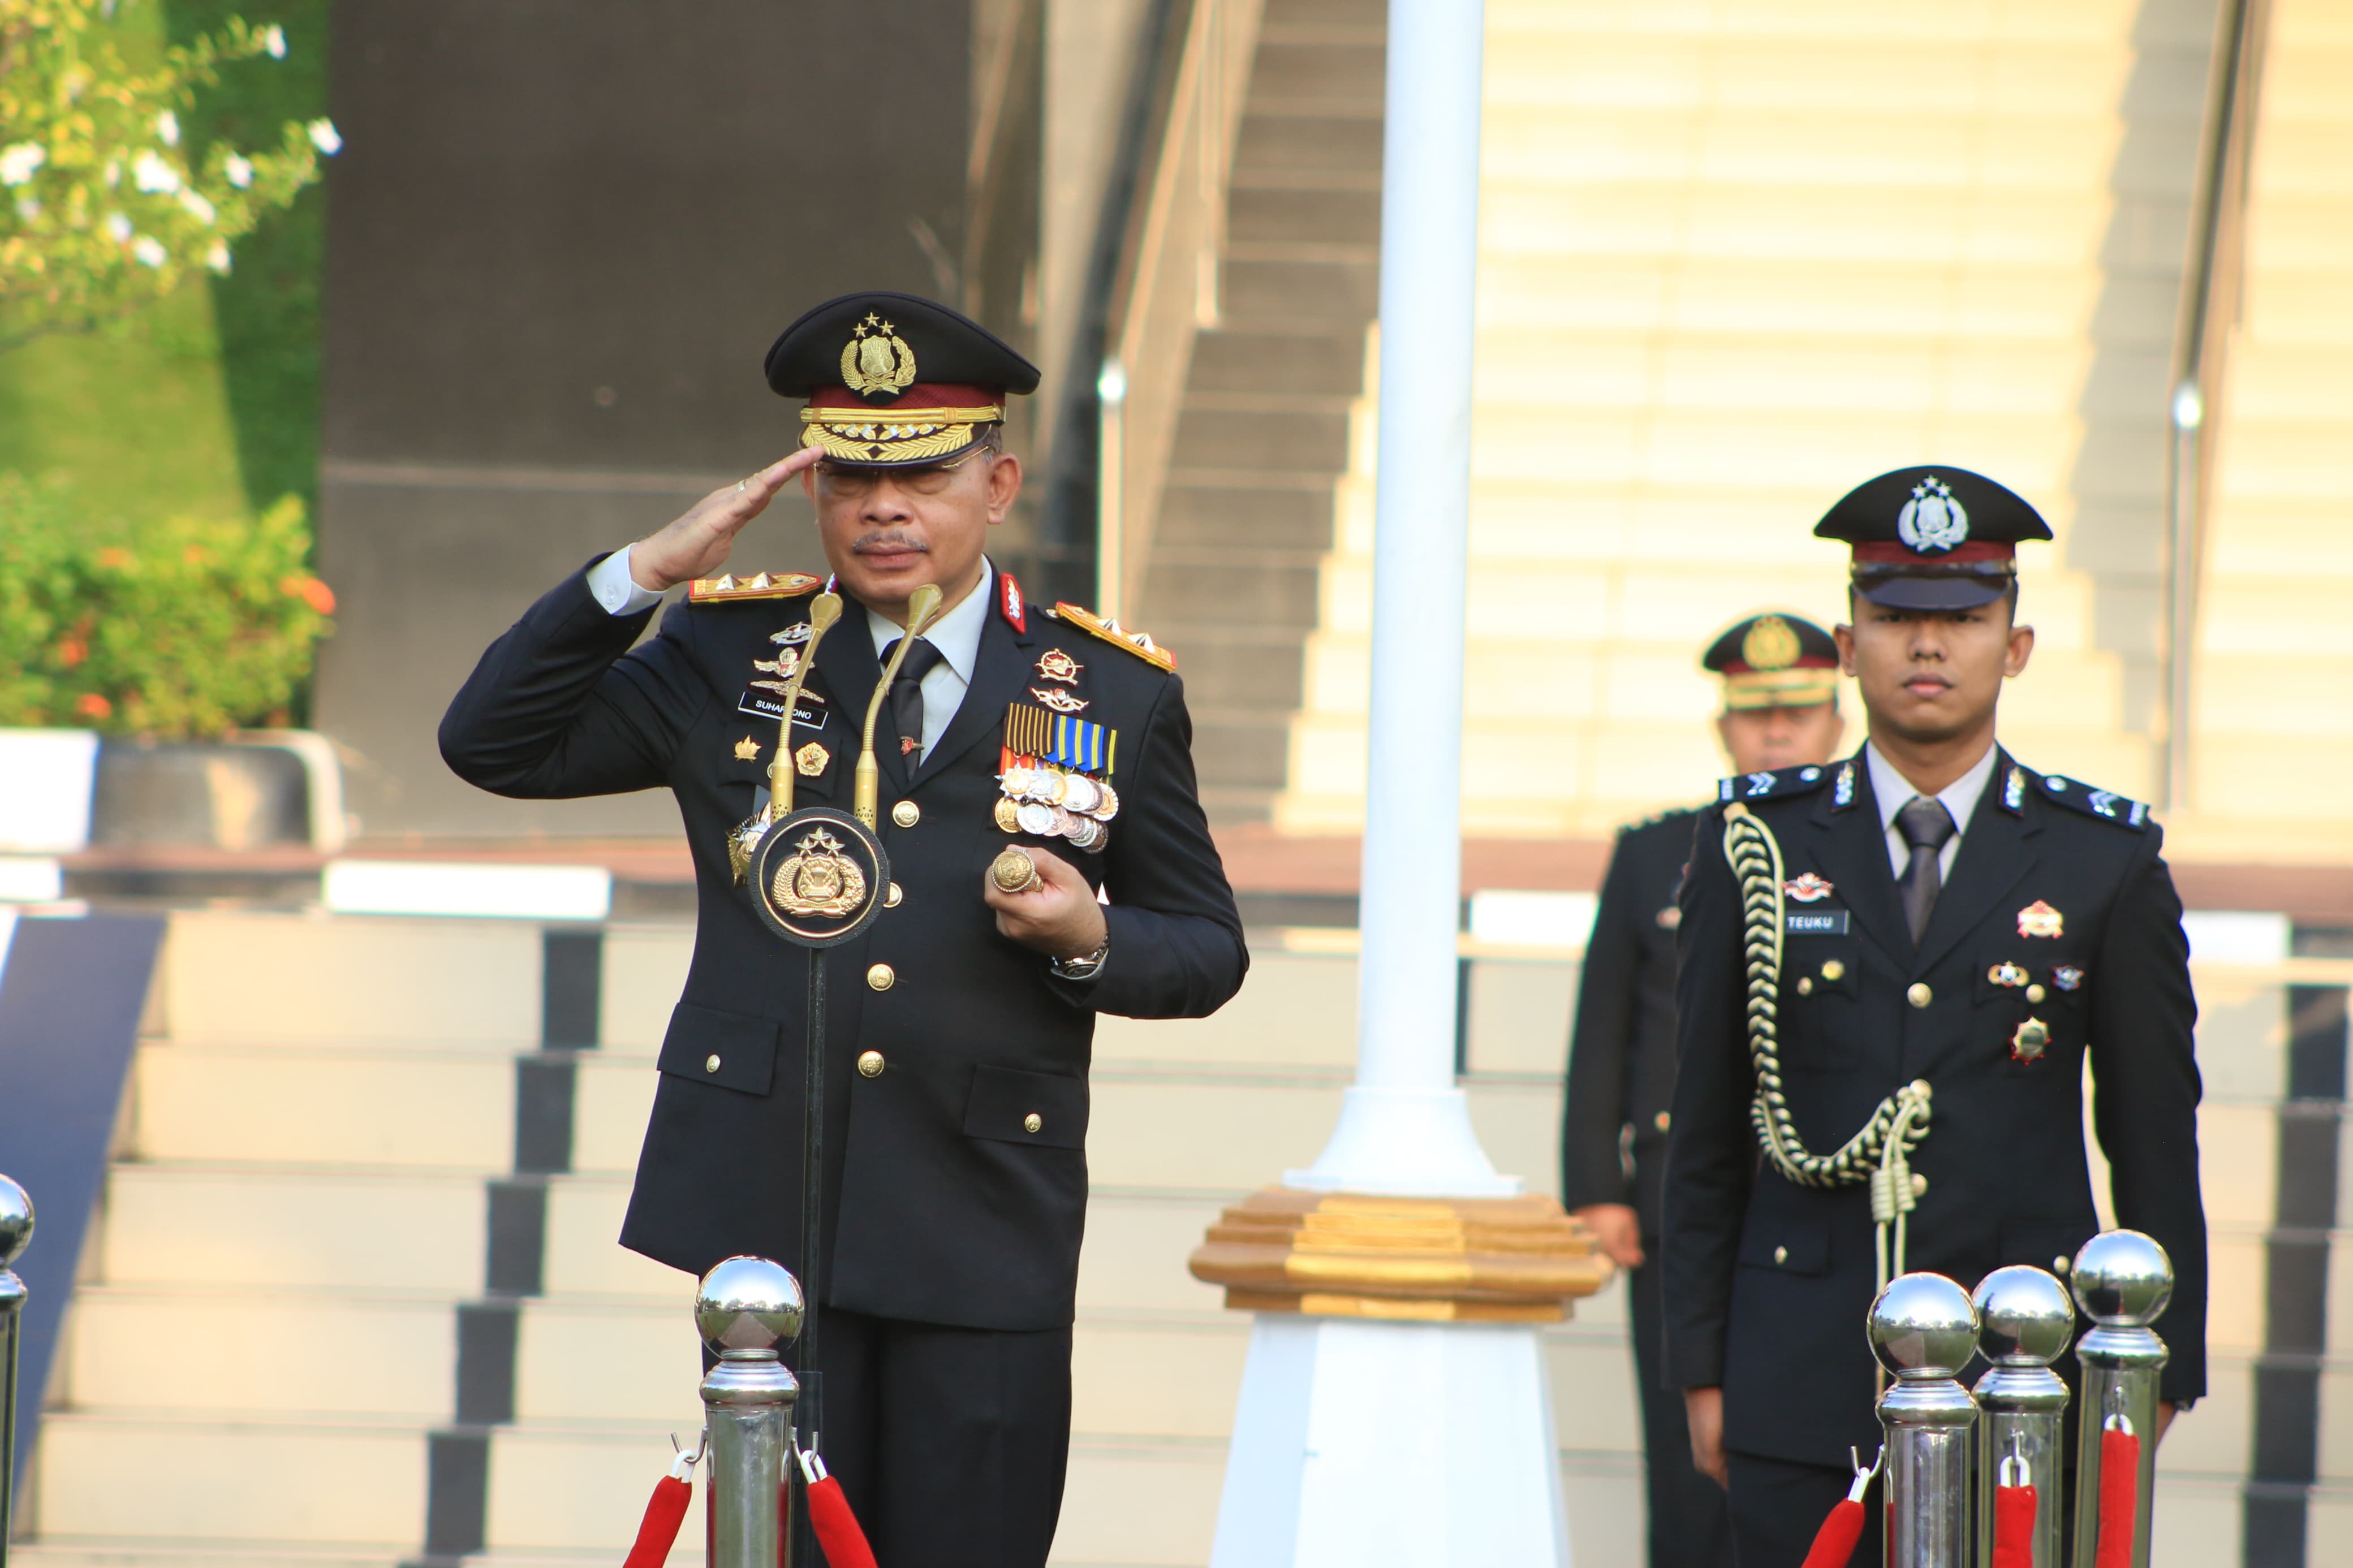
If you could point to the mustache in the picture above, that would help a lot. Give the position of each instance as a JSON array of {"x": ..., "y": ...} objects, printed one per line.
[{"x": 889, "y": 539}]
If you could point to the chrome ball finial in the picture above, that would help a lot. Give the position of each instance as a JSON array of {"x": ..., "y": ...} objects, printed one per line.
[
  {"x": 15, "y": 1221},
  {"x": 748, "y": 1304},
  {"x": 1923, "y": 1327},
  {"x": 2123, "y": 1279},
  {"x": 2023, "y": 1315}
]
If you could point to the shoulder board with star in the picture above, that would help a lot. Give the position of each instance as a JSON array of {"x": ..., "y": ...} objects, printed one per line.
[
  {"x": 1779, "y": 784},
  {"x": 759, "y": 585},
  {"x": 1137, "y": 642},
  {"x": 2076, "y": 795}
]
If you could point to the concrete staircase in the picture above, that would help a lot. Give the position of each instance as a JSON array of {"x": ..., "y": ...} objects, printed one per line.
[
  {"x": 1735, "y": 260},
  {"x": 1264, "y": 434},
  {"x": 354, "y": 1297}
]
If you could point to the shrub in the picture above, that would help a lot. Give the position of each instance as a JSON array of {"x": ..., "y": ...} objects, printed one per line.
[{"x": 182, "y": 627}]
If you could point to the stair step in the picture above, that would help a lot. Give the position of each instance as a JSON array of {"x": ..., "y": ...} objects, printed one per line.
[
  {"x": 1215, "y": 437},
  {"x": 1316, "y": 147},
  {"x": 1332, "y": 292},
  {"x": 1328, "y": 363}
]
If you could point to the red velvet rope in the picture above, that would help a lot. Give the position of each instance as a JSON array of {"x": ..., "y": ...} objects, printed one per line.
[
  {"x": 664, "y": 1511},
  {"x": 2119, "y": 1497},
  {"x": 2013, "y": 1527},
  {"x": 837, "y": 1528},
  {"x": 1835, "y": 1543}
]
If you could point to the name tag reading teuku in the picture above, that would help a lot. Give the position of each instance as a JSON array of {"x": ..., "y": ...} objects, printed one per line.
[{"x": 1817, "y": 922}]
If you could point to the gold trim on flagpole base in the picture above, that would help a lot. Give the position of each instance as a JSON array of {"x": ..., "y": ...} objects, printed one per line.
[{"x": 1354, "y": 1255}]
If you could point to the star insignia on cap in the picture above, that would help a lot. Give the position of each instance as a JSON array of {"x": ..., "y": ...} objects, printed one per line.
[
  {"x": 1932, "y": 520},
  {"x": 876, "y": 359}
]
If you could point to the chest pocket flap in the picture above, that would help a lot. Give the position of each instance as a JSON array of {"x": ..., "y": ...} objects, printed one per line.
[
  {"x": 1787, "y": 1246},
  {"x": 1049, "y": 1109}
]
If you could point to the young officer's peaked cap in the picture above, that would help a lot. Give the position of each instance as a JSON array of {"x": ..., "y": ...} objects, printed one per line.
[
  {"x": 894, "y": 379},
  {"x": 1933, "y": 538}
]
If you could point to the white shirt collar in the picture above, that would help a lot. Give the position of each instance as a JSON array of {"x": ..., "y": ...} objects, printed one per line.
[
  {"x": 955, "y": 634},
  {"x": 1894, "y": 790}
]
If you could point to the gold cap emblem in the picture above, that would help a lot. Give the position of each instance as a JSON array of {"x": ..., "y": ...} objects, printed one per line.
[
  {"x": 1769, "y": 645},
  {"x": 876, "y": 360}
]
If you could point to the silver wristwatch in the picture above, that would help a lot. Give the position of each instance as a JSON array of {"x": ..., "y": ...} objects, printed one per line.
[{"x": 1084, "y": 966}]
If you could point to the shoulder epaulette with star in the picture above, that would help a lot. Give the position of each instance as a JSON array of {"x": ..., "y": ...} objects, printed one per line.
[
  {"x": 759, "y": 585},
  {"x": 1779, "y": 784},
  {"x": 2104, "y": 803},
  {"x": 1137, "y": 642}
]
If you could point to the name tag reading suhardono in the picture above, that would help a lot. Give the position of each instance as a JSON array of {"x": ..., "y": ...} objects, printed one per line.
[
  {"x": 1817, "y": 922},
  {"x": 760, "y": 705}
]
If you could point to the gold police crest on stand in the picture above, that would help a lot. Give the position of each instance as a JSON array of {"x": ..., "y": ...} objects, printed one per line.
[
  {"x": 818, "y": 879},
  {"x": 876, "y": 361}
]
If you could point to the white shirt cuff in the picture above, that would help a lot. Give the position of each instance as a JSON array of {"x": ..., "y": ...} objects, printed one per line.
[{"x": 610, "y": 582}]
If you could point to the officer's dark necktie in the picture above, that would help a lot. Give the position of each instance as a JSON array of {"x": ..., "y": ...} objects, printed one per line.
[
  {"x": 907, "y": 693},
  {"x": 1926, "y": 825}
]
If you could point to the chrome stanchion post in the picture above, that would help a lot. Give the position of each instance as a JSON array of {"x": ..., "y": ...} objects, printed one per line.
[
  {"x": 2024, "y": 1321},
  {"x": 745, "y": 1308},
  {"x": 16, "y": 1231},
  {"x": 2123, "y": 1280},
  {"x": 1924, "y": 1329}
]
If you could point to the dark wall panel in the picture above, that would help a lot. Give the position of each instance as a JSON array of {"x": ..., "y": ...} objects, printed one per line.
[{"x": 560, "y": 237}]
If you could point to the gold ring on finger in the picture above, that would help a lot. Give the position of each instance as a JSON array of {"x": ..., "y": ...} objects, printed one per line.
[{"x": 1014, "y": 872}]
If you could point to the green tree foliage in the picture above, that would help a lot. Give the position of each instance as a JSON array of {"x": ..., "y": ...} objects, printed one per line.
[
  {"x": 102, "y": 209},
  {"x": 182, "y": 627}
]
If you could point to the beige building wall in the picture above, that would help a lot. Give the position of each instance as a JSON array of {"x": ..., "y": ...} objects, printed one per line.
[
  {"x": 1736, "y": 259},
  {"x": 2273, "y": 712}
]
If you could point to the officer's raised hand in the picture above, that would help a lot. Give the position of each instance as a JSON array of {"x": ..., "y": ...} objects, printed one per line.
[
  {"x": 696, "y": 544},
  {"x": 1057, "y": 917}
]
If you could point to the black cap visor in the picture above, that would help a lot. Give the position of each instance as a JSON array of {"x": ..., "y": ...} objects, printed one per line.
[{"x": 1932, "y": 591}]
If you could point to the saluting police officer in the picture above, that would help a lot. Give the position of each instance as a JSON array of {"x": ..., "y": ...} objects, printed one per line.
[
  {"x": 1780, "y": 709},
  {"x": 961, "y": 1021},
  {"x": 1934, "y": 936}
]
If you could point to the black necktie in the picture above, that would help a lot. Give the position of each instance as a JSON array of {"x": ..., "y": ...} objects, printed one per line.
[
  {"x": 907, "y": 693},
  {"x": 1926, "y": 825}
]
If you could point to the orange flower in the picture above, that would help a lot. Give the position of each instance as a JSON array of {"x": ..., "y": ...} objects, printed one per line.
[
  {"x": 72, "y": 651},
  {"x": 311, "y": 591},
  {"x": 194, "y": 554},
  {"x": 113, "y": 557},
  {"x": 90, "y": 705}
]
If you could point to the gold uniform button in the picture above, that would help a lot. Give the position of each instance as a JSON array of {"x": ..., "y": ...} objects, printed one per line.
[
  {"x": 1805, "y": 986},
  {"x": 1781, "y": 1255},
  {"x": 870, "y": 1064},
  {"x": 1033, "y": 1122},
  {"x": 1661, "y": 1121},
  {"x": 906, "y": 814},
  {"x": 1833, "y": 969},
  {"x": 882, "y": 977},
  {"x": 711, "y": 1064},
  {"x": 890, "y": 898},
  {"x": 1919, "y": 995},
  {"x": 2034, "y": 993}
]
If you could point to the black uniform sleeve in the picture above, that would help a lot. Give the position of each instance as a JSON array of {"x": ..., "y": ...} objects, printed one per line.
[
  {"x": 1176, "y": 946},
  {"x": 1710, "y": 1160},
  {"x": 1594, "y": 1116},
  {"x": 2145, "y": 1097},
  {"x": 561, "y": 706}
]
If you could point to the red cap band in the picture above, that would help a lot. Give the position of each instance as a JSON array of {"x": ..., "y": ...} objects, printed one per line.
[
  {"x": 922, "y": 394},
  {"x": 1884, "y": 553}
]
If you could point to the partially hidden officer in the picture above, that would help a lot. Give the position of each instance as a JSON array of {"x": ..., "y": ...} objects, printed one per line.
[
  {"x": 960, "y": 1023},
  {"x": 1934, "y": 938},
  {"x": 1780, "y": 709}
]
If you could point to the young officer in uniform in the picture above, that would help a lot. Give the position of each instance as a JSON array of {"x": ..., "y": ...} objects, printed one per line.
[
  {"x": 1943, "y": 936},
  {"x": 960, "y": 1022},
  {"x": 1780, "y": 709}
]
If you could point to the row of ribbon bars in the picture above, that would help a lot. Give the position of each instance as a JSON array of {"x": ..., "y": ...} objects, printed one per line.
[{"x": 1979, "y": 1478}]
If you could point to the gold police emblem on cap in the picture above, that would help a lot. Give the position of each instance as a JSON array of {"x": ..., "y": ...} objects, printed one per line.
[
  {"x": 876, "y": 360},
  {"x": 1770, "y": 644}
]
